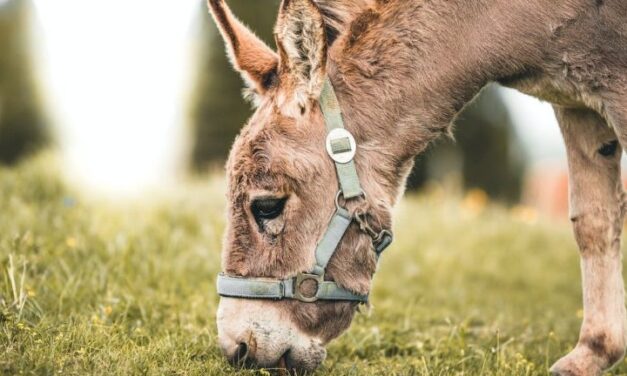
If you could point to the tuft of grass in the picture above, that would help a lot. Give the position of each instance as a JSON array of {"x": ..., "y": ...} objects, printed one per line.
[{"x": 87, "y": 287}]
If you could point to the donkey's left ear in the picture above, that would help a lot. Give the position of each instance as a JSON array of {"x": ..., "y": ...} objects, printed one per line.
[
  {"x": 256, "y": 62},
  {"x": 301, "y": 41}
]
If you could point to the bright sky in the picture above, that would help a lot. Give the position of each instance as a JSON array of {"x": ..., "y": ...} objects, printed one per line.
[
  {"x": 117, "y": 74},
  {"x": 537, "y": 126}
]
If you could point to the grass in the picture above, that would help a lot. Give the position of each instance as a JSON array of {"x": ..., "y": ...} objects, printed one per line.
[{"x": 91, "y": 287}]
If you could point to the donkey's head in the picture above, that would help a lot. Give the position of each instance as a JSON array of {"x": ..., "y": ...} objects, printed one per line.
[{"x": 281, "y": 194}]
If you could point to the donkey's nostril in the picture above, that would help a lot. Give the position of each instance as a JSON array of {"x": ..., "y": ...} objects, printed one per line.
[{"x": 242, "y": 352}]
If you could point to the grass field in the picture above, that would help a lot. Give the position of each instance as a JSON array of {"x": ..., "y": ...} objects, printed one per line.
[{"x": 101, "y": 288}]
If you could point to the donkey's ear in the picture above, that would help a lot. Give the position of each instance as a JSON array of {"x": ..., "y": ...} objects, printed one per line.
[
  {"x": 257, "y": 63},
  {"x": 301, "y": 41}
]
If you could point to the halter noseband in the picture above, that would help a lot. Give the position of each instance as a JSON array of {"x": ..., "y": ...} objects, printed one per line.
[{"x": 341, "y": 146}]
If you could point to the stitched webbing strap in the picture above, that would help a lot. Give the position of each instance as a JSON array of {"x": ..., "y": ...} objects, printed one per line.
[
  {"x": 331, "y": 239},
  {"x": 257, "y": 288},
  {"x": 346, "y": 172}
]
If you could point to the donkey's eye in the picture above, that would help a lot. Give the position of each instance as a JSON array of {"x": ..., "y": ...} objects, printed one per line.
[{"x": 267, "y": 208}]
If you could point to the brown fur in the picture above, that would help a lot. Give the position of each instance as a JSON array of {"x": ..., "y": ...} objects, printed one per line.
[{"x": 402, "y": 71}]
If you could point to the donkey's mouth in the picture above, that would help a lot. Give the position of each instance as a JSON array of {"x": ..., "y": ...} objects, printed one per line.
[
  {"x": 282, "y": 366},
  {"x": 288, "y": 366}
]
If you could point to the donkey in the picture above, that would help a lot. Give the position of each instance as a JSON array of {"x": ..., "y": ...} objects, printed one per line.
[{"x": 402, "y": 70}]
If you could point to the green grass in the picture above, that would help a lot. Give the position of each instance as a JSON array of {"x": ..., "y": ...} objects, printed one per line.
[{"x": 92, "y": 287}]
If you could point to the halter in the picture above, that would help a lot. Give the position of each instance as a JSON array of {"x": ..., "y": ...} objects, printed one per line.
[{"x": 341, "y": 147}]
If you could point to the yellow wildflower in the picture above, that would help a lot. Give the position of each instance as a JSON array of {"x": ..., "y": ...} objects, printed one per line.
[
  {"x": 475, "y": 201},
  {"x": 71, "y": 242}
]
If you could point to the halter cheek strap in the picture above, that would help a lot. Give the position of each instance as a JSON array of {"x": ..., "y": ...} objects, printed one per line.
[{"x": 341, "y": 146}]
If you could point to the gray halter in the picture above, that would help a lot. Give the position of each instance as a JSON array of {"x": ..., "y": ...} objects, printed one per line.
[{"x": 341, "y": 147}]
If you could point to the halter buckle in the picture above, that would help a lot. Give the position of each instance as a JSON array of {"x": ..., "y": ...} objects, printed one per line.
[
  {"x": 300, "y": 279},
  {"x": 382, "y": 241}
]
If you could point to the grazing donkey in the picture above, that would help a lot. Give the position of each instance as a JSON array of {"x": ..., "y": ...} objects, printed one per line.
[{"x": 400, "y": 71}]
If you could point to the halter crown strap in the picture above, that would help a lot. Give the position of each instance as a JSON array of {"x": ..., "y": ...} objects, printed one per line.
[{"x": 341, "y": 146}]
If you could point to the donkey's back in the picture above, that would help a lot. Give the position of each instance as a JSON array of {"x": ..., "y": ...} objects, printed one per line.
[{"x": 582, "y": 61}]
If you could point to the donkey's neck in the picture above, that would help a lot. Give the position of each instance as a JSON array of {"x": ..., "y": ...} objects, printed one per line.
[
  {"x": 339, "y": 14},
  {"x": 410, "y": 66},
  {"x": 406, "y": 68}
]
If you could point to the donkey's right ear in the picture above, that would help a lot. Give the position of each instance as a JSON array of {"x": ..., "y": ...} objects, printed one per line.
[{"x": 257, "y": 63}]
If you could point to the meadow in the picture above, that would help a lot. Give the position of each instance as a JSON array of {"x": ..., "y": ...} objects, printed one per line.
[{"x": 124, "y": 288}]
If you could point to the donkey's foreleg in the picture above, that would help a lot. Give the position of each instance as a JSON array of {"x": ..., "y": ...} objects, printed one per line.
[{"x": 597, "y": 208}]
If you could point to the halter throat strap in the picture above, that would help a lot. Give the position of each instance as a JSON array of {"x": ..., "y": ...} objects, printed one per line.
[{"x": 341, "y": 147}]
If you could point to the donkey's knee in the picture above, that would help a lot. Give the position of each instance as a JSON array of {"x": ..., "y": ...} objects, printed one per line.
[{"x": 598, "y": 230}]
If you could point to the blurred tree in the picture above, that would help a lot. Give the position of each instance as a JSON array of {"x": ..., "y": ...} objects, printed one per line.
[
  {"x": 219, "y": 111},
  {"x": 486, "y": 151},
  {"x": 493, "y": 155},
  {"x": 21, "y": 122}
]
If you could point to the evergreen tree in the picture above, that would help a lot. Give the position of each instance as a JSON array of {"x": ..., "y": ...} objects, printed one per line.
[
  {"x": 219, "y": 111},
  {"x": 21, "y": 122},
  {"x": 486, "y": 151}
]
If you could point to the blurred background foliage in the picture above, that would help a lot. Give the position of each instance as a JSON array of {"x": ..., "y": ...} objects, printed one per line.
[
  {"x": 218, "y": 109},
  {"x": 486, "y": 153},
  {"x": 22, "y": 129}
]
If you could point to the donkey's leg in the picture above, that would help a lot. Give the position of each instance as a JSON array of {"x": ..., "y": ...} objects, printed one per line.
[{"x": 597, "y": 208}]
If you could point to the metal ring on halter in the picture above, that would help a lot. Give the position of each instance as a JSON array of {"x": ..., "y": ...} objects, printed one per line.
[
  {"x": 300, "y": 279},
  {"x": 341, "y": 194}
]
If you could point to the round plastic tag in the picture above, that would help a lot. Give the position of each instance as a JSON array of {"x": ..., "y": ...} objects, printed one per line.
[{"x": 341, "y": 145}]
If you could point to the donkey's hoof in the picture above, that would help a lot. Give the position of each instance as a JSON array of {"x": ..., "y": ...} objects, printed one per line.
[
  {"x": 560, "y": 369},
  {"x": 580, "y": 362},
  {"x": 558, "y": 372}
]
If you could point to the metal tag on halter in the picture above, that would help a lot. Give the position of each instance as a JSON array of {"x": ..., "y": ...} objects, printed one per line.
[{"x": 341, "y": 145}]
